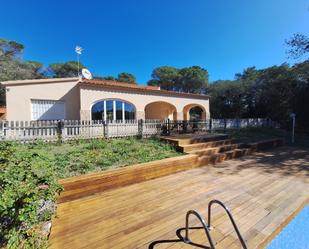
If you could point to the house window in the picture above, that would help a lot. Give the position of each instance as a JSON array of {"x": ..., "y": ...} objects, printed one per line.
[
  {"x": 113, "y": 110},
  {"x": 47, "y": 110}
]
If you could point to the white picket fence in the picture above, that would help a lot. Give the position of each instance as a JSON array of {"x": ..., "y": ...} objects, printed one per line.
[
  {"x": 29, "y": 130},
  {"x": 75, "y": 129}
]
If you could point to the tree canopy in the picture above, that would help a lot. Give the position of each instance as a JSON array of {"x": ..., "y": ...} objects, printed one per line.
[
  {"x": 67, "y": 69},
  {"x": 122, "y": 77},
  {"x": 13, "y": 68},
  {"x": 299, "y": 45},
  {"x": 126, "y": 77},
  {"x": 10, "y": 50},
  {"x": 274, "y": 92},
  {"x": 189, "y": 79}
]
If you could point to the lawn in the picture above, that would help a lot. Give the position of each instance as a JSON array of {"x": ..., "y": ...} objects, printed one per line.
[
  {"x": 29, "y": 177},
  {"x": 249, "y": 135},
  {"x": 80, "y": 157}
]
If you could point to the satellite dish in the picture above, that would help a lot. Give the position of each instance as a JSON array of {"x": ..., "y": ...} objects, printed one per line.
[{"x": 86, "y": 74}]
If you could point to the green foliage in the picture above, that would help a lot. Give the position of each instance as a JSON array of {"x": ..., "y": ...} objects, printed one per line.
[
  {"x": 249, "y": 135},
  {"x": 2, "y": 96},
  {"x": 80, "y": 157},
  {"x": 67, "y": 69},
  {"x": 227, "y": 99},
  {"x": 9, "y": 50},
  {"x": 165, "y": 77},
  {"x": 190, "y": 79},
  {"x": 12, "y": 68},
  {"x": 29, "y": 174},
  {"x": 274, "y": 93},
  {"x": 105, "y": 78},
  {"x": 299, "y": 45},
  {"x": 126, "y": 77},
  {"x": 27, "y": 179}
]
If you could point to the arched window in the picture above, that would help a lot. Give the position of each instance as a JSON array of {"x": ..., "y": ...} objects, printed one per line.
[{"x": 112, "y": 109}]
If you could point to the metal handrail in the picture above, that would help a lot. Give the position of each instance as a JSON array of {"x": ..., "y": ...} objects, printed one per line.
[
  {"x": 231, "y": 218},
  {"x": 187, "y": 239}
]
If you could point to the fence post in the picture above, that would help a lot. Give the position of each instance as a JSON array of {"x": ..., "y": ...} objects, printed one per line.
[
  {"x": 168, "y": 126},
  {"x": 60, "y": 127},
  {"x": 104, "y": 129},
  {"x": 210, "y": 125},
  {"x": 225, "y": 125},
  {"x": 268, "y": 123},
  {"x": 238, "y": 123},
  {"x": 140, "y": 128}
]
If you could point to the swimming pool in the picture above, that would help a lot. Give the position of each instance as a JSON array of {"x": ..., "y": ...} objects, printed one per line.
[{"x": 295, "y": 235}]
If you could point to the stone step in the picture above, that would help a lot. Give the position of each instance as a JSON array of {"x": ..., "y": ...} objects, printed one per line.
[
  {"x": 200, "y": 146},
  {"x": 214, "y": 150}
]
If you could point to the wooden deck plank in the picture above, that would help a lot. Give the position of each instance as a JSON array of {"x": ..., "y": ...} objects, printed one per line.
[{"x": 261, "y": 191}]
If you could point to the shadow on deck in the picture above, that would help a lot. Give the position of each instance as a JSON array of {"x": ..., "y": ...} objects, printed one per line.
[{"x": 264, "y": 192}]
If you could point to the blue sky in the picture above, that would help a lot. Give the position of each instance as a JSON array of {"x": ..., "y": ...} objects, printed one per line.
[{"x": 223, "y": 36}]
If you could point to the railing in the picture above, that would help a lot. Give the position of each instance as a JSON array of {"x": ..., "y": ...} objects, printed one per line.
[
  {"x": 207, "y": 228},
  {"x": 86, "y": 129},
  {"x": 231, "y": 219}
]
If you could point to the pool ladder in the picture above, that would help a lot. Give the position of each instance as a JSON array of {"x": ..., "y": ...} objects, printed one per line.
[{"x": 208, "y": 227}]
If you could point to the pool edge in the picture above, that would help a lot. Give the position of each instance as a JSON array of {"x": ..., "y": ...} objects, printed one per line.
[{"x": 267, "y": 241}]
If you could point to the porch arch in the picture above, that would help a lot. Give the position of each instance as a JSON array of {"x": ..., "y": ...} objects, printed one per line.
[
  {"x": 188, "y": 111},
  {"x": 160, "y": 110}
]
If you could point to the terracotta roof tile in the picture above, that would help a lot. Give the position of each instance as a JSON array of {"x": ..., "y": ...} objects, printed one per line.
[
  {"x": 136, "y": 87},
  {"x": 121, "y": 84}
]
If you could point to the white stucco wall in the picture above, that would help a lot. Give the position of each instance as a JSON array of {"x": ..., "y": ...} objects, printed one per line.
[
  {"x": 79, "y": 99},
  {"x": 20, "y": 93},
  {"x": 91, "y": 94}
]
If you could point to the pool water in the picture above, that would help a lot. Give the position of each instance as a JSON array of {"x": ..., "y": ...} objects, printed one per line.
[{"x": 295, "y": 235}]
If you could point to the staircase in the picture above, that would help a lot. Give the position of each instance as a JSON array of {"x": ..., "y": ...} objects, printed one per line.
[{"x": 210, "y": 148}]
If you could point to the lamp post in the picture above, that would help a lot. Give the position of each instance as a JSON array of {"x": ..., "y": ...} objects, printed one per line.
[{"x": 293, "y": 115}]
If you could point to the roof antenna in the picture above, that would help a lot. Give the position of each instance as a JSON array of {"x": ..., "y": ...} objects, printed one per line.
[{"x": 78, "y": 51}]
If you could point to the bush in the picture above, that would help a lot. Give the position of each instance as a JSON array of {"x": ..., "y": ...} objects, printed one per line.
[
  {"x": 27, "y": 182},
  {"x": 29, "y": 174}
]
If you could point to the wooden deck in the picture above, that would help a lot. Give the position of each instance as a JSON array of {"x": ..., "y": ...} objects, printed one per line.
[{"x": 264, "y": 192}]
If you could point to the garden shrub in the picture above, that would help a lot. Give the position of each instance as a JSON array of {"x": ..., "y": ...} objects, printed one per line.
[
  {"x": 29, "y": 176},
  {"x": 27, "y": 182}
]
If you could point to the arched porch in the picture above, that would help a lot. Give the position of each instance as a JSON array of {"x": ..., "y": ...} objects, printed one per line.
[
  {"x": 194, "y": 112},
  {"x": 160, "y": 110}
]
